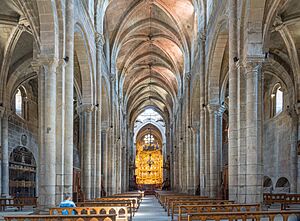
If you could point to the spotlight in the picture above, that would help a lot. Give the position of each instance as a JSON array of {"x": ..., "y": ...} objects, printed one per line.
[
  {"x": 97, "y": 105},
  {"x": 235, "y": 59},
  {"x": 266, "y": 55},
  {"x": 66, "y": 59}
]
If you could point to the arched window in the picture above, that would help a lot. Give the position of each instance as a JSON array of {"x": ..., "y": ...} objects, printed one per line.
[
  {"x": 276, "y": 100},
  {"x": 19, "y": 103}
]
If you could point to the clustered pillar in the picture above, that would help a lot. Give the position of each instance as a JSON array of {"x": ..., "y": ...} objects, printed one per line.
[{"x": 4, "y": 145}]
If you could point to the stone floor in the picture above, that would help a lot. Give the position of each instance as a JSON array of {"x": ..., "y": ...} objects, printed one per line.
[{"x": 150, "y": 209}]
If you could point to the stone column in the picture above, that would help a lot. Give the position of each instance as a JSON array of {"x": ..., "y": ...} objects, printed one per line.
[
  {"x": 2, "y": 111},
  {"x": 47, "y": 133},
  {"x": 207, "y": 153},
  {"x": 104, "y": 159},
  {"x": 69, "y": 96},
  {"x": 254, "y": 176},
  {"x": 213, "y": 155},
  {"x": 219, "y": 131},
  {"x": 201, "y": 42},
  {"x": 232, "y": 133},
  {"x": 5, "y": 157},
  {"x": 241, "y": 119},
  {"x": 197, "y": 155},
  {"x": 86, "y": 110},
  {"x": 99, "y": 45},
  {"x": 60, "y": 130}
]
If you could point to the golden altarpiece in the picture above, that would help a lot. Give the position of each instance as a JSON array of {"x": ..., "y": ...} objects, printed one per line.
[{"x": 149, "y": 161}]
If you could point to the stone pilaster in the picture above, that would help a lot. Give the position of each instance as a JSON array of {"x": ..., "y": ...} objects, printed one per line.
[
  {"x": 47, "y": 132},
  {"x": 4, "y": 154},
  {"x": 69, "y": 96},
  {"x": 86, "y": 111},
  {"x": 254, "y": 165},
  {"x": 232, "y": 133}
]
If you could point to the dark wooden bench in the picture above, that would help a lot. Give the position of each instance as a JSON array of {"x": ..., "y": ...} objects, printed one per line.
[
  {"x": 184, "y": 210},
  {"x": 127, "y": 204},
  {"x": 169, "y": 199},
  {"x": 282, "y": 198},
  {"x": 175, "y": 204},
  {"x": 27, "y": 201},
  {"x": 110, "y": 217},
  {"x": 135, "y": 200},
  {"x": 13, "y": 202},
  {"x": 244, "y": 216},
  {"x": 121, "y": 212}
]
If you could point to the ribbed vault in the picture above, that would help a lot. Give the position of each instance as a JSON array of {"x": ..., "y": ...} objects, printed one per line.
[{"x": 150, "y": 44}]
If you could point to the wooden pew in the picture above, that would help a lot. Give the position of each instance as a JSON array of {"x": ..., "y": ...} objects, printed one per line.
[
  {"x": 169, "y": 199},
  {"x": 162, "y": 197},
  {"x": 244, "y": 216},
  {"x": 157, "y": 193},
  {"x": 121, "y": 212},
  {"x": 102, "y": 217},
  {"x": 27, "y": 201},
  {"x": 184, "y": 210},
  {"x": 282, "y": 198},
  {"x": 175, "y": 204},
  {"x": 134, "y": 200},
  {"x": 127, "y": 204},
  {"x": 5, "y": 202}
]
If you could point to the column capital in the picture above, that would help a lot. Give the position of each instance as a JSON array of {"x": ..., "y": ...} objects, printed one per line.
[
  {"x": 278, "y": 24},
  {"x": 88, "y": 108},
  {"x": 100, "y": 40},
  {"x": 188, "y": 76},
  {"x": 221, "y": 110},
  {"x": 252, "y": 64},
  {"x": 112, "y": 78},
  {"x": 213, "y": 108},
  {"x": 35, "y": 66},
  {"x": 2, "y": 111},
  {"x": 49, "y": 62},
  {"x": 201, "y": 37}
]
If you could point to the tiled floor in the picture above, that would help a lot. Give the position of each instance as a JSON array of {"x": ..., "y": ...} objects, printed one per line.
[{"x": 151, "y": 210}]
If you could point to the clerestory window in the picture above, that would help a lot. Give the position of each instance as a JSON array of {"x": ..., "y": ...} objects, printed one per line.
[{"x": 276, "y": 100}]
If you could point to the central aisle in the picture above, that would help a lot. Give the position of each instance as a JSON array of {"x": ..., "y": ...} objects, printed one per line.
[{"x": 151, "y": 210}]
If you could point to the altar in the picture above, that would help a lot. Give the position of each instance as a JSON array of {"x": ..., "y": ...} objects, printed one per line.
[{"x": 149, "y": 163}]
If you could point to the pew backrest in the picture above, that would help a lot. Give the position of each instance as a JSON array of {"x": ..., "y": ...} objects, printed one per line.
[
  {"x": 184, "y": 210},
  {"x": 176, "y": 204},
  {"x": 110, "y": 217},
  {"x": 256, "y": 215}
]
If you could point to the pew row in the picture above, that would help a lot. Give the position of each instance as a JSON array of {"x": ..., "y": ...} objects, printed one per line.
[
  {"x": 184, "y": 210},
  {"x": 244, "y": 216},
  {"x": 169, "y": 199},
  {"x": 284, "y": 199},
  {"x": 103, "y": 217},
  {"x": 127, "y": 204},
  {"x": 10, "y": 202},
  {"x": 121, "y": 212},
  {"x": 134, "y": 200},
  {"x": 175, "y": 204}
]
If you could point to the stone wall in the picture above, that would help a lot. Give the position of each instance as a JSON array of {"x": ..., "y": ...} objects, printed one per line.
[{"x": 277, "y": 147}]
